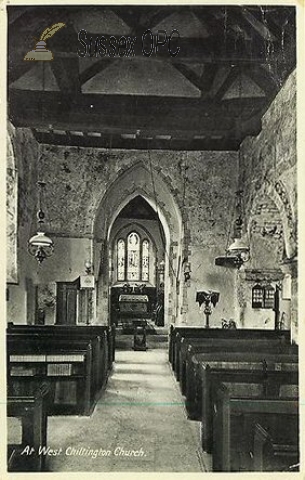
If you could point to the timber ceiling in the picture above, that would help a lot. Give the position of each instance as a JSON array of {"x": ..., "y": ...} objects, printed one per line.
[{"x": 232, "y": 61}]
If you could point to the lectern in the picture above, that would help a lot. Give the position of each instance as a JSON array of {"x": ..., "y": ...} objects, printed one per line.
[{"x": 209, "y": 298}]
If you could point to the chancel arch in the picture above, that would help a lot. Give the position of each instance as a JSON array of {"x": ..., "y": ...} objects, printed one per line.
[{"x": 146, "y": 186}]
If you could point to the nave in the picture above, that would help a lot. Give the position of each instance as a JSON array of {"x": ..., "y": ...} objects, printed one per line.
[
  {"x": 157, "y": 191},
  {"x": 140, "y": 410}
]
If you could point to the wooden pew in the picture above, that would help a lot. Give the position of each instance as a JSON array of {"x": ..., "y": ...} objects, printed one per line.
[
  {"x": 243, "y": 359},
  {"x": 173, "y": 332},
  {"x": 182, "y": 341},
  {"x": 38, "y": 342},
  {"x": 178, "y": 332},
  {"x": 198, "y": 333},
  {"x": 68, "y": 372},
  {"x": 234, "y": 421},
  {"x": 111, "y": 333},
  {"x": 93, "y": 330},
  {"x": 107, "y": 345},
  {"x": 190, "y": 347},
  {"x": 272, "y": 454},
  {"x": 32, "y": 411},
  {"x": 269, "y": 383}
]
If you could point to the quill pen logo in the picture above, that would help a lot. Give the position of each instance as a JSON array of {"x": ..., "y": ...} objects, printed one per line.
[{"x": 40, "y": 52}]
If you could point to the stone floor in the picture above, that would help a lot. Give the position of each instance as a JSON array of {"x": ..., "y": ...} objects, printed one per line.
[{"x": 138, "y": 425}]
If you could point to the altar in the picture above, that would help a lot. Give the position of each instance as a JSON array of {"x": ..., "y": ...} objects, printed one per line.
[{"x": 133, "y": 305}]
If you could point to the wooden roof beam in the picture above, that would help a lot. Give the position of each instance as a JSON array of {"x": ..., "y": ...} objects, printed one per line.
[
  {"x": 94, "y": 69},
  {"x": 260, "y": 27}
]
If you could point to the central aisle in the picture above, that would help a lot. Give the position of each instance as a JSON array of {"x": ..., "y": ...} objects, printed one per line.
[{"x": 138, "y": 425}]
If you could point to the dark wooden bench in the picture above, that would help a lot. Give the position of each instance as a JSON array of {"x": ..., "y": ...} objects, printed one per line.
[
  {"x": 234, "y": 420},
  {"x": 196, "y": 332},
  {"x": 190, "y": 347},
  {"x": 272, "y": 454},
  {"x": 249, "y": 360},
  {"x": 41, "y": 341},
  {"x": 68, "y": 372},
  {"x": 268, "y": 383},
  {"x": 89, "y": 331},
  {"x": 31, "y": 412},
  {"x": 71, "y": 331},
  {"x": 178, "y": 332}
]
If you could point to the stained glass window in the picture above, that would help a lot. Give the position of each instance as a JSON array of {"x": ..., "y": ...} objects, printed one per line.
[
  {"x": 133, "y": 256},
  {"x": 145, "y": 261},
  {"x": 121, "y": 260}
]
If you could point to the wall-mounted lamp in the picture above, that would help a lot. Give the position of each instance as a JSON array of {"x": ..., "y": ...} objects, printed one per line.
[
  {"x": 162, "y": 266},
  {"x": 87, "y": 281},
  {"x": 187, "y": 271},
  {"x": 88, "y": 267},
  {"x": 161, "y": 270},
  {"x": 238, "y": 252},
  {"x": 40, "y": 245}
]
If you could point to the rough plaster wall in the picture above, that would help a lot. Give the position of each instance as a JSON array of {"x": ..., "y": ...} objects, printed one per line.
[
  {"x": 202, "y": 183},
  {"x": 268, "y": 172},
  {"x": 11, "y": 214},
  {"x": 77, "y": 178},
  {"x": 26, "y": 155},
  {"x": 209, "y": 203},
  {"x": 271, "y": 156}
]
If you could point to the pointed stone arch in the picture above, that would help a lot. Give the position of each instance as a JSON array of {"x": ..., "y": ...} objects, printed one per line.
[
  {"x": 139, "y": 180},
  {"x": 277, "y": 197},
  {"x": 276, "y": 247}
]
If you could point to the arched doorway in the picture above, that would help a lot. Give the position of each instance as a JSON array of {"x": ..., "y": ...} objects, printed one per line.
[{"x": 138, "y": 189}]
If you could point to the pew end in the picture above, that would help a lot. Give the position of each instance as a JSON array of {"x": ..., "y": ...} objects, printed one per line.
[
  {"x": 271, "y": 454},
  {"x": 32, "y": 412},
  {"x": 234, "y": 421}
]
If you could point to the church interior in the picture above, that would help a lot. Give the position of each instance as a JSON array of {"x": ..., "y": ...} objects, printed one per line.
[{"x": 152, "y": 213}]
